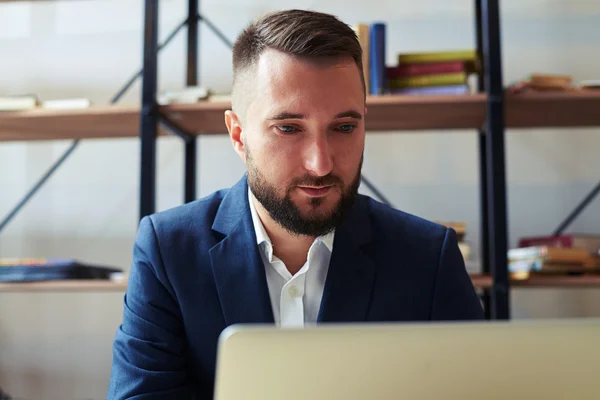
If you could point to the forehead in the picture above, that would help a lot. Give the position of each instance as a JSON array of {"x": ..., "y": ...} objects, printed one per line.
[{"x": 320, "y": 87}]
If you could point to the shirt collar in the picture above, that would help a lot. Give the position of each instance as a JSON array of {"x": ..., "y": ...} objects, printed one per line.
[{"x": 263, "y": 240}]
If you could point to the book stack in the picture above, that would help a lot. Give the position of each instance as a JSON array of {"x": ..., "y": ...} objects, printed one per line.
[
  {"x": 526, "y": 261},
  {"x": 537, "y": 82},
  {"x": 443, "y": 72},
  {"x": 589, "y": 242},
  {"x": 49, "y": 269},
  {"x": 437, "y": 73},
  {"x": 590, "y": 84},
  {"x": 461, "y": 232},
  {"x": 567, "y": 254}
]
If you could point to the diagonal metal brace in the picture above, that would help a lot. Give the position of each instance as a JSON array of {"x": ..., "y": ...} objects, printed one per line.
[
  {"x": 175, "y": 128},
  {"x": 216, "y": 31},
  {"x": 578, "y": 210}
]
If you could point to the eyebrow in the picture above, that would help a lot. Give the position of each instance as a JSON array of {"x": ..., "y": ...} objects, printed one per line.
[{"x": 287, "y": 115}]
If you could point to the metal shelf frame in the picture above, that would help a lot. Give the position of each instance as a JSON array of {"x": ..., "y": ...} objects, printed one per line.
[
  {"x": 492, "y": 155},
  {"x": 491, "y": 136}
]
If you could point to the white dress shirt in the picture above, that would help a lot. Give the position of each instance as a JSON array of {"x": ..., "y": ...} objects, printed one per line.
[{"x": 296, "y": 299}]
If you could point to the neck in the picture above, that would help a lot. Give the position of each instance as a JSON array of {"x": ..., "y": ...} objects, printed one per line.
[{"x": 289, "y": 248}]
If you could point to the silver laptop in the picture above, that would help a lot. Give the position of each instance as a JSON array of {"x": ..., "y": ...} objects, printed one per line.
[{"x": 487, "y": 360}]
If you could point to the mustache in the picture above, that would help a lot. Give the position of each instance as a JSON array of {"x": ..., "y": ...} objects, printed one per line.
[{"x": 307, "y": 180}]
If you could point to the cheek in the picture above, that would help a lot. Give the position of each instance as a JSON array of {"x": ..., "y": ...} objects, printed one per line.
[
  {"x": 347, "y": 154},
  {"x": 277, "y": 161}
]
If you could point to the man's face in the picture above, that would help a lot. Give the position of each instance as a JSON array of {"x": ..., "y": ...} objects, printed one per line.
[{"x": 303, "y": 136}]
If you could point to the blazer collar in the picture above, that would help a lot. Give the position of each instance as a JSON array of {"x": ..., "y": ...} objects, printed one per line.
[
  {"x": 237, "y": 266},
  {"x": 349, "y": 283},
  {"x": 240, "y": 275}
]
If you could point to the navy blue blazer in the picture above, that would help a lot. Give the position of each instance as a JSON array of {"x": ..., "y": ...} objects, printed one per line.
[{"x": 196, "y": 270}]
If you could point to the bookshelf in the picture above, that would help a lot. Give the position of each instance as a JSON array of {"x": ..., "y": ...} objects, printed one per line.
[
  {"x": 385, "y": 114},
  {"x": 483, "y": 114}
]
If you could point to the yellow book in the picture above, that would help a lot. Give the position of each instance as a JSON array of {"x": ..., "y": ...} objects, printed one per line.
[
  {"x": 438, "y": 56},
  {"x": 458, "y": 78},
  {"x": 362, "y": 33}
]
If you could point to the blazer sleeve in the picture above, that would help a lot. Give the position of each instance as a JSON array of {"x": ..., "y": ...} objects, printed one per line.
[
  {"x": 149, "y": 359},
  {"x": 454, "y": 296}
]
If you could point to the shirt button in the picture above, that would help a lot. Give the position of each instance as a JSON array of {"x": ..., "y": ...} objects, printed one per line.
[{"x": 293, "y": 291}]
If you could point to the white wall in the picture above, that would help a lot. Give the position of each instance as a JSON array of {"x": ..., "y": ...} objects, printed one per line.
[{"x": 57, "y": 346}]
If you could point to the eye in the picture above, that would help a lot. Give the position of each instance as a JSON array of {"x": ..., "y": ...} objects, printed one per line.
[
  {"x": 347, "y": 128},
  {"x": 287, "y": 128}
]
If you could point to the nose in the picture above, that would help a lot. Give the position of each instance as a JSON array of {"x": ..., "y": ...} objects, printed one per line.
[{"x": 318, "y": 157}]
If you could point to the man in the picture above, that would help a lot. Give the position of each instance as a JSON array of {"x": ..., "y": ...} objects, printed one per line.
[{"x": 292, "y": 243}]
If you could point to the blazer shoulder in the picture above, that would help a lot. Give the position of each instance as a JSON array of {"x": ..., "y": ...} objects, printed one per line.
[
  {"x": 399, "y": 228},
  {"x": 391, "y": 221},
  {"x": 198, "y": 213}
]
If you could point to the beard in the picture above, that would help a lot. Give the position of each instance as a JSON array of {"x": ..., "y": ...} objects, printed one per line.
[{"x": 284, "y": 212}]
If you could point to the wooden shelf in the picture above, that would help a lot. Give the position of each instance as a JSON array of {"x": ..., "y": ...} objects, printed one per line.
[
  {"x": 114, "y": 121},
  {"x": 65, "y": 286},
  {"x": 385, "y": 113},
  {"x": 579, "y": 108},
  {"x": 483, "y": 281},
  {"x": 117, "y": 121}
]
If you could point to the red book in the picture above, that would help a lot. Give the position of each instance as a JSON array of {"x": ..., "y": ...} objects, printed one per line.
[
  {"x": 589, "y": 242},
  {"x": 425, "y": 69}
]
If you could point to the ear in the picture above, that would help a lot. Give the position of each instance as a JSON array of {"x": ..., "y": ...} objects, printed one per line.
[{"x": 234, "y": 126}]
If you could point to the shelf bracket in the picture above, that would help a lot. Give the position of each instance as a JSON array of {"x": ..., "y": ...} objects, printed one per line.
[{"x": 175, "y": 128}]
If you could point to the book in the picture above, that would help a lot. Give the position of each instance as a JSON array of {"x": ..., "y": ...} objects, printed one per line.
[
  {"x": 219, "y": 97},
  {"x": 408, "y": 70},
  {"x": 572, "y": 255},
  {"x": 438, "y": 56},
  {"x": 46, "y": 269},
  {"x": 67, "y": 104},
  {"x": 541, "y": 82},
  {"x": 433, "y": 90},
  {"x": 377, "y": 46},
  {"x": 459, "y": 78},
  {"x": 521, "y": 269},
  {"x": 465, "y": 250},
  {"x": 589, "y": 242},
  {"x": 362, "y": 34},
  {"x": 590, "y": 84},
  {"x": 18, "y": 103},
  {"x": 459, "y": 227},
  {"x": 186, "y": 95}
]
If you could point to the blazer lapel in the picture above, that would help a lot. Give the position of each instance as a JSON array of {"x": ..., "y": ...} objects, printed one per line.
[
  {"x": 351, "y": 274},
  {"x": 237, "y": 266}
]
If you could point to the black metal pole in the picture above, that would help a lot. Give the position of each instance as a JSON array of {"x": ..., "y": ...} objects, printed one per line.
[
  {"x": 496, "y": 176},
  {"x": 149, "y": 114},
  {"x": 483, "y": 198},
  {"x": 191, "y": 80},
  {"x": 42, "y": 181}
]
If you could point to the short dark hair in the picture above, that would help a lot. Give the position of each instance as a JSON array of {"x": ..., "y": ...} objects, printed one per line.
[{"x": 303, "y": 33}]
